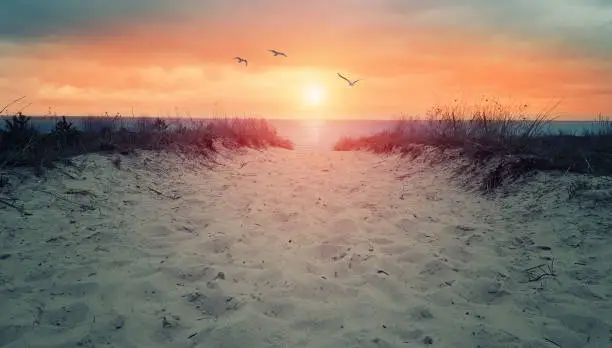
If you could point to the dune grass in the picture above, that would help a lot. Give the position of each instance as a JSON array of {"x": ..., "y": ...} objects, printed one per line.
[
  {"x": 21, "y": 144},
  {"x": 495, "y": 131}
]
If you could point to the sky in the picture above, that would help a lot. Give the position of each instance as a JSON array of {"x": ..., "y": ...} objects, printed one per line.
[{"x": 169, "y": 58}]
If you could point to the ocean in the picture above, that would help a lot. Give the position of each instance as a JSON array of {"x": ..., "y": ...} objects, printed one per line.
[{"x": 322, "y": 134}]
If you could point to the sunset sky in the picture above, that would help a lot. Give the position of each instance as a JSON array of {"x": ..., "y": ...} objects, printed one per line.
[{"x": 161, "y": 58}]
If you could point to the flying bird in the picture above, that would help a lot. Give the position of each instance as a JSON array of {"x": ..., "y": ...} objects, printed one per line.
[
  {"x": 277, "y": 53},
  {"x": 351, "y": 83},
  {"x": 242, "y": 60}
]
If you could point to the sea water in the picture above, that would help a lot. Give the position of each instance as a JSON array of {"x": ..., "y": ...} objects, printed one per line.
[{"x": 312, "y": 134}]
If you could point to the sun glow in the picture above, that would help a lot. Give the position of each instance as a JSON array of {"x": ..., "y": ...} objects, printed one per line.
[{"x": 314, "y": 95}]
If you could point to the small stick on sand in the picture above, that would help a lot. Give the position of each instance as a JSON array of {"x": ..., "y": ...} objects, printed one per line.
[
  {"x": 162, "y": 194},
  {"x": 80, "y": 192},
  {"x": 82, "y": 206},
  {"x": 553, "y": 342},
  {"x": 67, "y": 174},
  {"x": 154, "y": 190}
]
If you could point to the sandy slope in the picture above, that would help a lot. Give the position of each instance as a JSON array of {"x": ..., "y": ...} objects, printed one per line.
[{"x": 299, "y": 249}]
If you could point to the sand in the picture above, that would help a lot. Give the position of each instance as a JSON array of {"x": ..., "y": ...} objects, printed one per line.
[{"x": 300, "y": 249}]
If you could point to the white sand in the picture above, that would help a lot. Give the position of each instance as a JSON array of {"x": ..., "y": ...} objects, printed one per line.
[{"x": 300, "y": 249}]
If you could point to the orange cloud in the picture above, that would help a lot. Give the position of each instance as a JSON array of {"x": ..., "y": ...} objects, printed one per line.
[{"x": 155, "y": 67}]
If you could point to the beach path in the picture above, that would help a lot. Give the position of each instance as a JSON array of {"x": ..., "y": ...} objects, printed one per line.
[{"x": 283, "y": 249}]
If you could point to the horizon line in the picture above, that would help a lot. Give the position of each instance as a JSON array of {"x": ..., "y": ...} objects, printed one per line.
[{"x": 277, "y": 118}]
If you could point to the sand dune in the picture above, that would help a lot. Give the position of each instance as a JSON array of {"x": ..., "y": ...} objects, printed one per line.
[{"x": 300, "y": 249}]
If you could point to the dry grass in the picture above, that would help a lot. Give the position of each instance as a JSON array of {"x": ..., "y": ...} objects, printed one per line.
[
  {"x": 495, "y": 131},
  {"x": 22, "y": 145}
]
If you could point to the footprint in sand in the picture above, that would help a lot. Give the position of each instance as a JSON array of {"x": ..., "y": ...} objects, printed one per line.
[
  {"x": 162, "y": 236},
  {"x": 324, "y": 323},
  {"x": 382, "y": 241},
  {"x": 409, "y": 335},
  {"x": 587, "y": 325},
  {"x": 560, "y": 333},
  {"x": 11, "y": 333},
  {"x": 361, "y": 338},
  {"x": 483, "y": 291},
  {"x": 218, "y": 245},
  {"x": 67, "y": 316},
  {"x": 342, "y": 231},
  {"x": 438, "y": 268},
  {"x": 40, "y": 273},
  {"x": 145, "y": 291},
  {"x": 459, "y": 230},
  {"x": 191, "y": 273},
  {"x": 76, "y": 290},
  {"x": 101, "y": 237},
  {"x": 589, "y": 275},
  {"x": 212, "y": 303},
  {"x": 389, "y": 247},
  {"x": 474, "y": 239},
  {"x": 243, "y": 332},
  {"x": 413, "y": 257},
  {"x": 335, "y": 209},
  {"x": 420, "y": 313},
  {"x": 330, "y": 252},
  {"x": 170, "y": 328},
  {"x": 276, "y": 309},
  {"x": 79, "y": 273},
  {"x": 165, "y": 231},
  {"x": 407, "y": 225},
  {"x": 281, "y": 216},
  {"x": 399, "y": 251},
  {"x": 488, "y": 337},
  {"x": 457, "y": 252}
]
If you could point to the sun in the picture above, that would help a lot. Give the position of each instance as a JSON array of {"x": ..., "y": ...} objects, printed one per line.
[{"x": 314, "y": 95}]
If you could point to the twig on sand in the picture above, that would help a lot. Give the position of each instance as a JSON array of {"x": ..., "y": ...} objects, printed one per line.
[
  {"x": 218, "y": 163},
  {"x": 80, "y": 192},
  {"x": 403, "y": 176},
  {"x": 540, "y": 271},
  {"x": 552, "y": 342},
  {"x": 19, "y": 209},
  {"x": 83, "y": 207},
  {"x": 65, "y": 172},
  {"x": 162, "y": 194}
]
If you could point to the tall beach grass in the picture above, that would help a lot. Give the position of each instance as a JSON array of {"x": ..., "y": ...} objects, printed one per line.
[
  {"x": 495, "y": 131},
  {"x": 21, "y": 144}
]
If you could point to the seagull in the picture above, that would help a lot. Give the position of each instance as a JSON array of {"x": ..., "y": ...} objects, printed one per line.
[
  {"x": 242, "y": 60},
  {"x": 349, "y": 81},
  {"x": 277, "y": 53}
]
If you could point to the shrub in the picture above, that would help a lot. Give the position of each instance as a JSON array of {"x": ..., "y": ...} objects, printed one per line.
[
  {"x": 18, "y": 132},
  {"x": 160, "y": 125},
  {"x": 65, "y": 133}
]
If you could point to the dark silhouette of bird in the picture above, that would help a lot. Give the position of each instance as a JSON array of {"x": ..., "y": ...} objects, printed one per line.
[
  {"x": 242, "y": 60},
  {"x": 277, "y": 53},
  {"x": 351, "y": 83}
]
